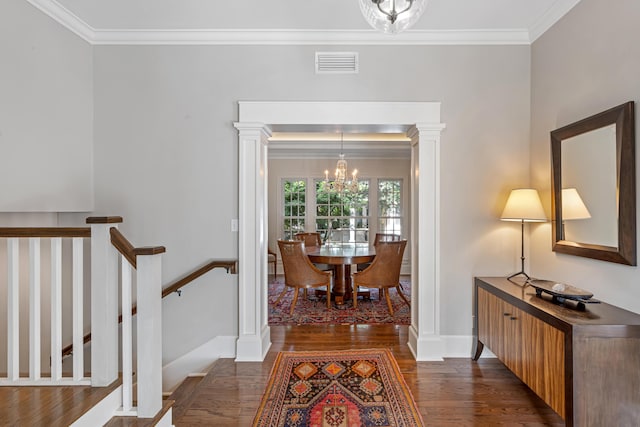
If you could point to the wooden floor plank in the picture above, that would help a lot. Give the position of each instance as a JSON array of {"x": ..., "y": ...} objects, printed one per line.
[
  {"x": 456, "y": 392},
  {"x": 48, "y": 406}
]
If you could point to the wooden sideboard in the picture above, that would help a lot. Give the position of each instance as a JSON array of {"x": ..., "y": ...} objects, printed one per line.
[{"x": 585, "y": 364}]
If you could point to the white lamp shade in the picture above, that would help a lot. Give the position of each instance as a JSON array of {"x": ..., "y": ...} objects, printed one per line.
[
  {"x": 524, "y": 205},
  {"x": 408, "y": 12},
  {"x": 572, "y": 205}
]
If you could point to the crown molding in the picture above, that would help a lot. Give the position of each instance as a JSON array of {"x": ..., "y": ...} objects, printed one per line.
[
  {"x": 307, "y": 37},
  {"x": 550, "y": 17},
  {"x": 298, "y": 37},
  {"x": 66, "y": 18}
]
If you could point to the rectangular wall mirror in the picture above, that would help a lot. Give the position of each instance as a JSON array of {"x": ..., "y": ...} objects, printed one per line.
[{"x": 594, "y": 186}]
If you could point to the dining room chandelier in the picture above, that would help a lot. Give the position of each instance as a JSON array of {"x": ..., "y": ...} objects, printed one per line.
[
  {"x": 392, "y": 16},
  {"x": 340, "y": 182}
]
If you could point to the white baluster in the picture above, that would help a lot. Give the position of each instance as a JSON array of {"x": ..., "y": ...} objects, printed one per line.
[
  {"x": 13, "y": 310},
  {"x": 56, "y": 309},
  {"x": 127, "y": 351},
  {"x": 78, "y": 307},
  {"x": 34, "y": 308},
  {"x": 149, "y": 336}
]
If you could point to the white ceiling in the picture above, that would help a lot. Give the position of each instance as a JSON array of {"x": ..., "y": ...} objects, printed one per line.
[{"x": 299, "y": 21}]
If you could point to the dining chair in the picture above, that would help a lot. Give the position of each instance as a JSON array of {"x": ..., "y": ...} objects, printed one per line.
[
  {"x": 272, "y": 257},
  {"x": 380, "y": 237},
  {"x": 300, "y": 273},
  {"x": 310, "y": 239},
  {"x": 383, "y": 273},
  {"x": 313, "y": 239}
]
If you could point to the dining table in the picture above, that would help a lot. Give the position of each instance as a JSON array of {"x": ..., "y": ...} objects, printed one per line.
[{"x": 341, "y": 257}]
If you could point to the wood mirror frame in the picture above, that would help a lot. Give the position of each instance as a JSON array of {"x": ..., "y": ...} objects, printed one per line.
[{"x": 623, "y": 117}]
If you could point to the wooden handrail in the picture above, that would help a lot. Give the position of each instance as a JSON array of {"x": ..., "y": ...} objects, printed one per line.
[
  {"x": 229, "y": 265},
  {"x": 128, "y": 250},
  {"x": 9, "y": 232},
  {"x": 104, "y": 220},
  {"x": 123, "y": 245}
]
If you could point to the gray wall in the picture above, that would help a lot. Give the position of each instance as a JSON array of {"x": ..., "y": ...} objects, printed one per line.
[
  {"x": 587, "y": 63},
  {"x": 166, "y": 154},
  {"x": 165, "y": 150},
  {"x": 46, "y": 114}
]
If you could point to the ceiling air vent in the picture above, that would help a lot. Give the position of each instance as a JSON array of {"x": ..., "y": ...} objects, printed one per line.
[{"x": 336, "y": 62}]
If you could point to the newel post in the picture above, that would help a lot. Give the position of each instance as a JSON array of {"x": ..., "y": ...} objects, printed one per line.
[
  {"x": 104, "y": 302},
  {"x": 149, "y": 326}
]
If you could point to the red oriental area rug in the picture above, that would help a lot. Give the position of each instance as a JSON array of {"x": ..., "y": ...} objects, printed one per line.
[
  {"x": 350, "y": 388},
  {"x": 313, "y": 310}
]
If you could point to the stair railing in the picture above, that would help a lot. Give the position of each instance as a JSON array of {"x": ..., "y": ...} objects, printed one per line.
[
  {"x": 33, "y": 236},
  {"x": 111, "y": 253},
  {"x": 145, "y": 264}
]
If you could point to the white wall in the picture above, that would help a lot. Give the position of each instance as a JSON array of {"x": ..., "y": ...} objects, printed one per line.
[
  {"x": 46, "y": 114},
  {"x": 166, "y": 155},
  {"x": 588, "y": 62}
]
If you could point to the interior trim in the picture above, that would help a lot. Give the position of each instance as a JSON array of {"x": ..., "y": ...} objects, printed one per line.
[{"x": 115, "y": 36}]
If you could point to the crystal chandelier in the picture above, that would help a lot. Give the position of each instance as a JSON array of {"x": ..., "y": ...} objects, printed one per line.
[
  {"x": 340, "y": 183},
  {"x": 392, "y": 16}
]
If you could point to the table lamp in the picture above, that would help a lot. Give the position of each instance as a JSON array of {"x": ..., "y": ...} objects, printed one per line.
[{"x": 523, "y": 205}]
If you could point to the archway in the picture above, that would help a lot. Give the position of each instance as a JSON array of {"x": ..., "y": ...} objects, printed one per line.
[{"x": 421, "y": 121}]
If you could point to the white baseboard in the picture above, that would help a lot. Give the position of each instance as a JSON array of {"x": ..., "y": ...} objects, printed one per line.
[
  {"x": 197, "y": 361},
  {"x": 461, "y": 346}
]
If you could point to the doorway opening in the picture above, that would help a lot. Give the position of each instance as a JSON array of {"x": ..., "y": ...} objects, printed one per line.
[{"x": 420, "y": 121}]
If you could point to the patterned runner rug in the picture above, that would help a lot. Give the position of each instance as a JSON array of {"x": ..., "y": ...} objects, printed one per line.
[
  {"x": 337, "y": 389},
  {"x": 314, "y": 309}
]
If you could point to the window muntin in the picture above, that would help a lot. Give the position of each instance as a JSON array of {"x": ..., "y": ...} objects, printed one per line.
[
  {"x": 390, "y": 206},
  {"x": 294, "y": 206},
  {"x": 343, "y": 217}
]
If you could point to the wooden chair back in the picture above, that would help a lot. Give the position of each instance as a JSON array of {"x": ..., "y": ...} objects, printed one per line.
[
  {"x": 299, "y": 271},
  {"x": 272, "y": 258},
  {"x": 383, "y": 237},
  {"x": 384, "y": 271},
  {"x": 309, "y": 239}
]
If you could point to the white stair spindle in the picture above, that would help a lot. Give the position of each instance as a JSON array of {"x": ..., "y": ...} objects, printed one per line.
[
  {"x": 56, "y": 309},
  {"x": 13, "y": 310},
  {"x": 34, "y": 309},
  {"x": 78, "y": 307},
  {"x": 127, "y": 352}
]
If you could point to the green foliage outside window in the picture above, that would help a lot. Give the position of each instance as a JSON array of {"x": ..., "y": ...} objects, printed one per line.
[{"x": 295, "y": 198}]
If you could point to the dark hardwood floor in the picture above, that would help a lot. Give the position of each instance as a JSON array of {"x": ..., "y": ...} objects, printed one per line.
[{"x": 456, "y": 392}]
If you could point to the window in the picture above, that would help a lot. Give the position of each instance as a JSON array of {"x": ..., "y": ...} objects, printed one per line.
[
  {"x": 294, "y": 197},
  {"x": 390, "y": 206},
  {"x": 343, "y": 217}
]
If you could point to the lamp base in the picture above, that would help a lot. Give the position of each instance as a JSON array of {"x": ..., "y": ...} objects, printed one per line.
[{"x": 519, "y": 273}]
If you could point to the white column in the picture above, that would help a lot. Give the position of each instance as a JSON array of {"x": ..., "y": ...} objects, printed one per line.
[
  {"x": 424, "y": 333},
  {"x": 254, "y": 337},
  {"x": 149, "y": 334},
  {"x": 104, "y": 306}
]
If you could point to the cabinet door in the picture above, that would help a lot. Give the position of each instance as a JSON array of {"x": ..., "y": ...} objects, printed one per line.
[
  {"x": 490, "y": 322},
  {"x": 543, "y": 361},
  {"x": 513, "y": 335}
]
